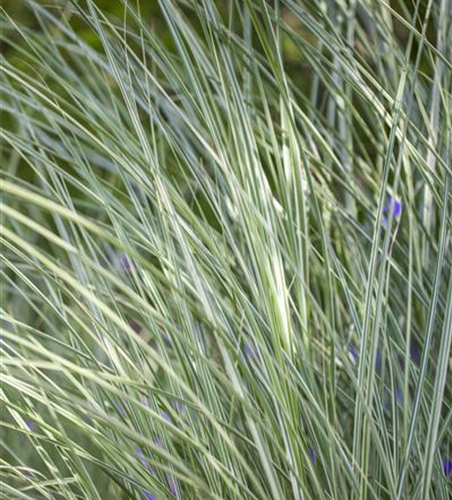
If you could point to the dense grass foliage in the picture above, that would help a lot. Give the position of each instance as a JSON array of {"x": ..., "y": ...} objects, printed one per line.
[{"x": 226, "y": 250}]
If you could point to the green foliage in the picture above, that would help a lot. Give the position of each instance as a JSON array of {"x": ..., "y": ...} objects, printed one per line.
[{"x": 226, "y": 250}]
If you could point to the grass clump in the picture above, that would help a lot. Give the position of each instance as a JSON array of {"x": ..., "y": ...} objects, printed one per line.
[{"x": 226, "y": 250}]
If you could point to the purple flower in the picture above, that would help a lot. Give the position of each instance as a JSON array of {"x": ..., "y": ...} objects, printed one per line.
[
  {"x": 166, "y": 417},
  {"x": 394, "y": 206},
  {"x": 250, "y": 351},
  {"x": 172, "y": 484},
  {"x": 312, "y": 455},
  {"x": 353, "y": 353},
  {"x": 120, "y": 408},
  {"x": 415, "y": 354},
  {"x": 149, "y": 496},
  {"x": 30, "y": 425},
  {"x": 180, "y": 407},
  {"x": 124, "y": 263},
  {"x": 447, "y": 467},
  {"x": 139, "y": 453},
  {"x": 378, "y": 362}
]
